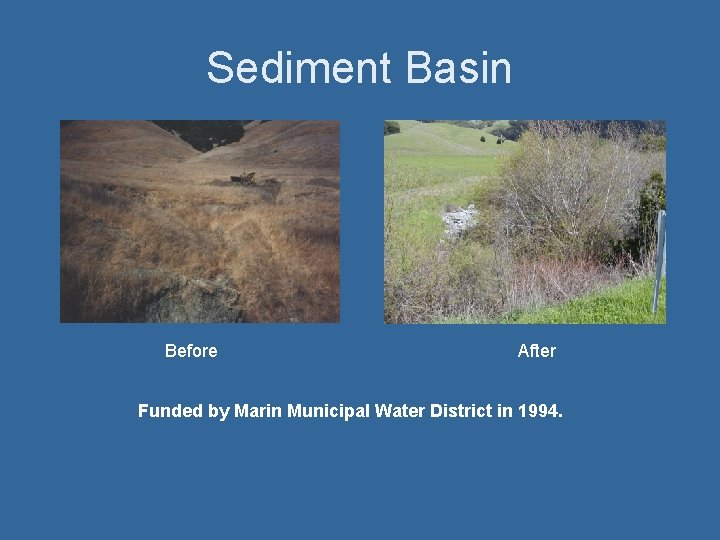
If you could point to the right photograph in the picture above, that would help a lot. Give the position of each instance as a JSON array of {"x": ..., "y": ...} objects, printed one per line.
[{"x": 525, "y": 221}]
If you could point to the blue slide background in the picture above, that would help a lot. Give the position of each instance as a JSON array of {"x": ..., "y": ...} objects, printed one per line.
[{"x": 635, "y": 455}]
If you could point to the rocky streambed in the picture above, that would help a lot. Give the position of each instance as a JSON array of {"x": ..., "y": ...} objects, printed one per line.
[{"x": 459, "y": 220}]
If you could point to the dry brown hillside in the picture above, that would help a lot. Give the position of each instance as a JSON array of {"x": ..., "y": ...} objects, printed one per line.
[{"x": 153, "y": 230}]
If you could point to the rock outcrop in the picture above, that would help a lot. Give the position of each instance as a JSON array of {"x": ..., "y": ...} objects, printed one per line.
[
  {"x": 148, "y": 295},
  {"x": 185, "y": 299}
]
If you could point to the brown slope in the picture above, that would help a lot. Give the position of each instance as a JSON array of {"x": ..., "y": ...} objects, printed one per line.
[
  {"x": 282, "y": 144},
  {"x": 146, "y": 235},
  {"x": 135, "y": 142}
]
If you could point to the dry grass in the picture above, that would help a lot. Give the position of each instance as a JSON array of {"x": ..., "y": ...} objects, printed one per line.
[
  {"x": 465, "y": 281},
  {"x": 129, "y": 235},
  {"x": 533, "y": 283}
]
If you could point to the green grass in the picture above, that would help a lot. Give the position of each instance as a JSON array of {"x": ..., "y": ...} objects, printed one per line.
[
  {"x": 628, "y": 303},
  {"x": 448, "y": 170},
  {"x": 429, "y": 165}
]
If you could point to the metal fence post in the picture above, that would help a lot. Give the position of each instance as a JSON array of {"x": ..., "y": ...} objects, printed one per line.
[{"x": 660, "y": 258}]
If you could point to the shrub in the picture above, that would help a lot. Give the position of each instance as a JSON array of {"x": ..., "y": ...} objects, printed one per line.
[
  {"x": 482, "y": 139},
  {"x": 652, "y": 200},
  {"x": 570, "y": 192},
  {"x": 391, "y": 127},
  {"x": 499, "y": 141}
]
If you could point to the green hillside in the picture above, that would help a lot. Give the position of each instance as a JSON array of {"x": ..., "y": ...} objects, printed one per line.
[
  {"x": 429, "y": 165},
  {"x": 444, "y": 156},
  {"x": 444, "y": 139}
]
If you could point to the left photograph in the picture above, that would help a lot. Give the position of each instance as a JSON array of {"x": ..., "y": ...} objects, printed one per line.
[{"x": 199, "y": 221}]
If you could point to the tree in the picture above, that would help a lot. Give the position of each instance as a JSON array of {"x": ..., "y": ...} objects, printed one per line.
[{"x": 391, "y": 127}]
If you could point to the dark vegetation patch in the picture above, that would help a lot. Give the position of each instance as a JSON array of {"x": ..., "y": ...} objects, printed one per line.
[
  {"x": 205, "y": 135},
  {"x": 391, "y": 127},
  {"x": 644, "y": 130}
]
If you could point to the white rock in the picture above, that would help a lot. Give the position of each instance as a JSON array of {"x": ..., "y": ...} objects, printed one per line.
[{"x": 459, "y": 221}]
